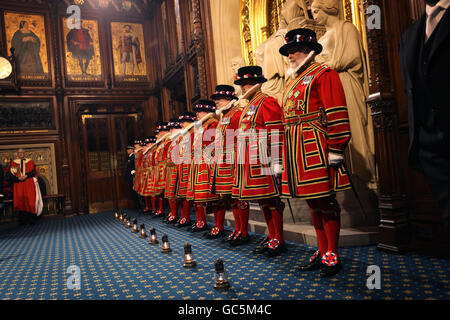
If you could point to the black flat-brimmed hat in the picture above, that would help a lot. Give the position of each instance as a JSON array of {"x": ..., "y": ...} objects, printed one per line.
[
  {"x": 174, "y": 124},
  {"x": 249, "y": 73},
  {"x": 161, "y": 126},
  {"x": 187, "y": 116},
  {"x": 223, "y": 91},
  {"x": 302, "y": 36},
  {"x": 205, "y": 106},
  {"x": 150, "y": 139}
]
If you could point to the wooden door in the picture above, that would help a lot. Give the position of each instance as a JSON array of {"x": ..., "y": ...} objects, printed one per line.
[{"x": 105, "y": 139}]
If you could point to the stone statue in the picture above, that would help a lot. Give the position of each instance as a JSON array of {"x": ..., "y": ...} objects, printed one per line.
[
  {"x": 292, "y": 15},
  {"x": 343, "y": 51},
  {"x": 236, "y": 63}
]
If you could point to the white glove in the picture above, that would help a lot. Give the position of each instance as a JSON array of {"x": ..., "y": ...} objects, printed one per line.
[
  {"x": 1, "y": 195},
  {"x": 277, "y": 169},
  {"x": 133, "y": 171},
  {"x": 335, "y": 159}
]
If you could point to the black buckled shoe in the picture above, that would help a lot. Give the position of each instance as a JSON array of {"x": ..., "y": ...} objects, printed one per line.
[
  {"x": 199, "y": 226},
  {"x": 274, "y": 248},
  {"x": 214, "y": 233},
  {"x": 171, "y": 220},
  {"x": 239, "y": 240},
  {"x": 328, "y": 271},
  {"x": 315, "y": 263},
  {"x": 262, "y": 247},
  {"x": 230, "y": 237},
  {"x": 182, "y": 223},
  {"x": 332, "y": 265}
]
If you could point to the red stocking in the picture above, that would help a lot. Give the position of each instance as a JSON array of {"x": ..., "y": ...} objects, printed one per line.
[
  {"x": 332, "y": 225},
  {"x": 236, "y": 215},
  {"x": 147, "y": 204},
  {"x": 200, "y": 212},
  {"x": 268, "y": 217},
  {"x": 173, "y": 208},
  {"x": 277, "y": 220},
  {"x": 320, "y": 231},
  {"x": 161, "y": 205},
  {"x": 244, "y": 211},
  {"x": 219, "y": 216},
  {"x": 185, "y": 210}
]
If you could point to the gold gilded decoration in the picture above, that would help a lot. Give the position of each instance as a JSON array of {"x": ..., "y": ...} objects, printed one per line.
[
  {"x": 84, "y": 117},
  {"x": 134, "y": 115},
  {"x": 128, "y": 51},
  {"x": 82, "y": 52},
  {"x": 26, "y": 33},
  {"x": 253, "y": 26},
  {"x": 354, "y": 13},
  {"x": 274, "y": 15}
]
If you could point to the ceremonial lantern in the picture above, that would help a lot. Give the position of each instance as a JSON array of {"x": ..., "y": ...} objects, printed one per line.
[
  {"x": 143, "y": 233},
  {"x": 153, "y": 239},
  {"x": 135, "y": 226},
  {"x": 120, "y": 217},
  {"x": 165, "y": 244},
  {"x": 128, "y": 225},
  {"x": 220, "y": 276},
  {"x": 189, "y": 261},
  {"x": 116, "y": 215}
]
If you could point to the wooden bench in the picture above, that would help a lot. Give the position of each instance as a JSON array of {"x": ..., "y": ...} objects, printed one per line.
[{"x": 53, "y": 206}]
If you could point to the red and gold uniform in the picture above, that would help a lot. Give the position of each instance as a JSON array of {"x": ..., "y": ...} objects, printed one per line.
[
  {"x": 159, "y": 182},
  {"x": 317, "y": 130},
  {"x": 259, "y": 152},
  {"x": 147, "y": 176},
  {"x": 172, "y": 172},
  {"x": 316, "y": 121},
  {"x": 200, "y": 174},
  {"x": 138, "y": 167},
  {"x": 253, "y": 178},
  {"x": 223, "y": 170},
  {"x": 182, "y": 155}
]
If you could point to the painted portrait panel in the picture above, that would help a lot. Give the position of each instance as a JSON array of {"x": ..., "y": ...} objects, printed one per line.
[
  {"x": 82, "y": 52},
  {"x": 128, "y": 51},
  {"x": 26, "y": 33}
]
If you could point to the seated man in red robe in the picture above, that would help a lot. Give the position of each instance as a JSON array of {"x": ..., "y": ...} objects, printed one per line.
[{"x": 22, "y": 172}]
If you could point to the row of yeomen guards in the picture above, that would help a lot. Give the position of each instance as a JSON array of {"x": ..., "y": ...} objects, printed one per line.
[{"x": 311, "y": 129}]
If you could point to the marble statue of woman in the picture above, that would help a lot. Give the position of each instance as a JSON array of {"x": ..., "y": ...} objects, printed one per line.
[
  {"x": 343, "y": 51},
  {"x": 274, "y": 65}
]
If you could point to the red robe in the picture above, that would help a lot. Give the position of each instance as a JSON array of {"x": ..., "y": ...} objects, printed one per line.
[
  {"x": 184, "y": 167},
  {"x": 200, "y": 174},
  {"x": 172, "y": 178},
  {"x": 24, "y": 191},
  {"x": 160, "y": 163},
  {"x": 222, "y": 173},
  {"x": 253, "y": 177},
  {"x": 316, "y": 121},
  {"x": 138, "y": 176},
  {"x": 148, "y": 174}
]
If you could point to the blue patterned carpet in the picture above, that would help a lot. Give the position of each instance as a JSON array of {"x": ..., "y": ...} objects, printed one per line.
[{"x": 117, "y": 264}]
